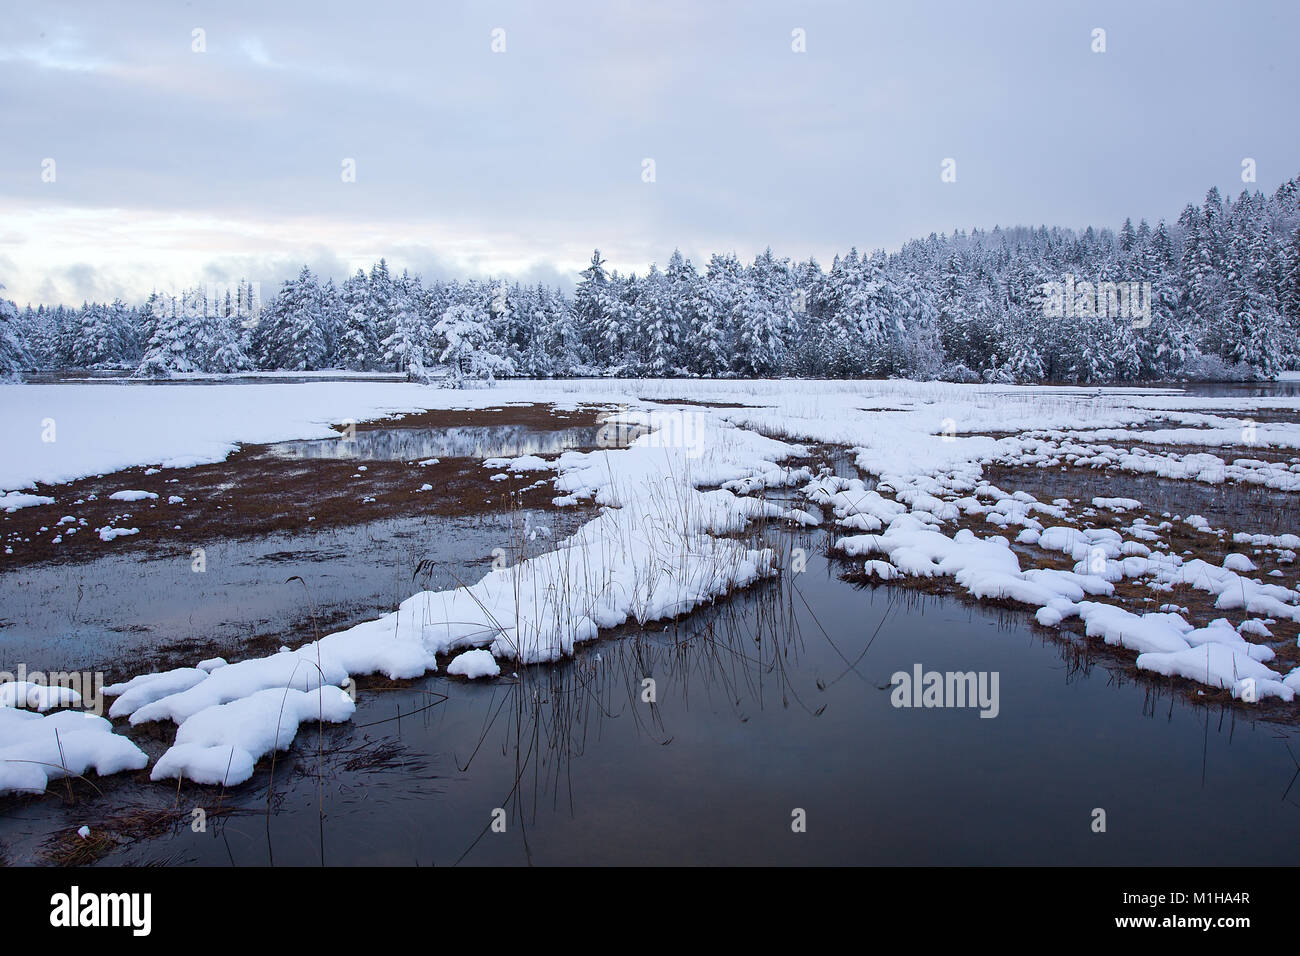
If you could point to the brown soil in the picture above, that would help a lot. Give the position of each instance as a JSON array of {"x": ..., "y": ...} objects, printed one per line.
[{"x": 255, "y": 493}]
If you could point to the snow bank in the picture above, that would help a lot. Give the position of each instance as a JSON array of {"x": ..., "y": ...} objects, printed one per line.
[{"x": 1217, "y": 665}]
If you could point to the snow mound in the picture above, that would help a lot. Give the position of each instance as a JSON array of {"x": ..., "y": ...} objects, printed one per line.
[
  {"x": 1238, "y": 562},
  {"x": 1218, "y": 665},
  {"x": 474, "y": 664},
  {"x": 132, "y": 495},
  {"x": 222, "y": 744}
]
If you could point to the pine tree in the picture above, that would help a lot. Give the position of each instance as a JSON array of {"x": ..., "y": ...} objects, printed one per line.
[
  {"x": 588, "y": 307},
  {"x": 657, "y": 317},
  {"x": 357, "y": 346},
  {"x": 1127, "y": 236},
  {"x": 761, "y": 315},
  {"x": 469, "y": 350},
  {"x": 219, "y": 347},
  {"x": 613, "y": 313},
  {"x": 701, "y": 346},
  {"x": 169, "y": 347},
  {"x": 289, "y": 335},
  {"x": 404, "y": 348},
  {"x": 1289, "y": 300},
  {"x": 99, "y": 341},
  {"x": 382, "y": 294},
  {"x": 14, "y": 357},
  {"x": 1256, "y": 339},
  {"x": 331, "y": 323}
]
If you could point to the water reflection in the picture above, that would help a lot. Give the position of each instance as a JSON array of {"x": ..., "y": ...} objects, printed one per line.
[
  {"x": 417, "y": 444},
  {"x": 1288, "y": 388},
  {"x": 115, "y": 611}
]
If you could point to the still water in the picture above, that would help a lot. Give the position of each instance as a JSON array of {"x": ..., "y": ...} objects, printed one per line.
[
  {"x": 416, "y": 444},
  {"x": 773, "y": 702}
]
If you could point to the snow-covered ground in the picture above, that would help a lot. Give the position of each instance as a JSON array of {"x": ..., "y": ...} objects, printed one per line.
[{"x": 688, "y": 476}]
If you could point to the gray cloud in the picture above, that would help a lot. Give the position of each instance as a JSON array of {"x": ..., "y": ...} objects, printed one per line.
[{"x": 473, "y": 161}]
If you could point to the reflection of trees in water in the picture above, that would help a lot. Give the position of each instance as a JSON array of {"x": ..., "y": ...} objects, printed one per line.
[{"x": 413, "y": 444}]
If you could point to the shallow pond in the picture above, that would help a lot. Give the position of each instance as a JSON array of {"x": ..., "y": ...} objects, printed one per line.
[
  {"x": 775, "y": 701},
  {"x": 116, "y": 612}
]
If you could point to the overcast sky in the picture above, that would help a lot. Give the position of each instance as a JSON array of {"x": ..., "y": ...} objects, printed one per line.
[{"x": 173, "y": 167}]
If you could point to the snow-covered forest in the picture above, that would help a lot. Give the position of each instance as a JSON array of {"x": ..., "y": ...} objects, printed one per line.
[{"x": 1223, "y": 302}]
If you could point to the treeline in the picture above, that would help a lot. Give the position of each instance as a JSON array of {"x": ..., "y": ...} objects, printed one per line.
[{"x": 1214, "y": 295}]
